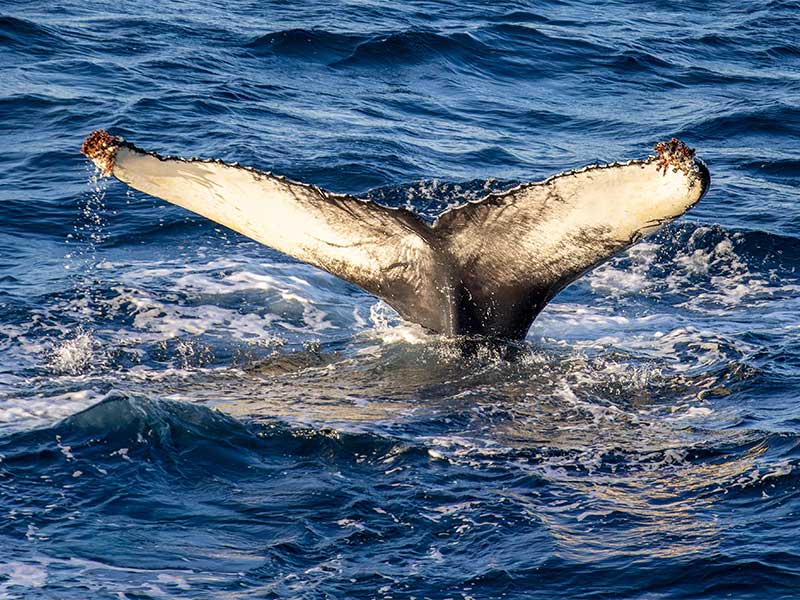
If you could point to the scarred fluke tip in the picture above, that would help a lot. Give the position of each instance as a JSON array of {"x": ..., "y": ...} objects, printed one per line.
[
  {"x": 676, "y": 155},
  {"x": 101, "y": 147}
]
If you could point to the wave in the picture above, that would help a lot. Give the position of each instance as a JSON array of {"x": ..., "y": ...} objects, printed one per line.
[
  {"x": 28, "y": 36},
  {"x": 782, "y": 51},
  {"x": 785, "y": 170},
  {"x": 123, "y": 435},
  {"x": 526, "y": 16},
  {"x": 313, "y": 45},
  {"x": 633, "y": 61},
  {"x": 778, "y": 119},
  {"x": 513, "y": 37},
  {"x": 414, "y": 47},
  {"x": 122, "y": 430}
]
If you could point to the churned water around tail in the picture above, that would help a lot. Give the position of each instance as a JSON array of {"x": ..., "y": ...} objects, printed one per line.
[{"x": 186, "y": 414}]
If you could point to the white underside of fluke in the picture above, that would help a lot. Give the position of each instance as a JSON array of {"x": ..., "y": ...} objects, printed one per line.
[{"x": 486, "y": 267}]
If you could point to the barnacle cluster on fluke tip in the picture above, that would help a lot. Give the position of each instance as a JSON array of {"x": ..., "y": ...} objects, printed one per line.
[
  {"x": 675, "y": 154},
  {"x": 101, "y": 147}
]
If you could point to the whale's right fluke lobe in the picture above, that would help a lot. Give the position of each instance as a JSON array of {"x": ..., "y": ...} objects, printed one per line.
[
  {"x": 518, "y": 249},
  {"x": 486, "y": 268}
]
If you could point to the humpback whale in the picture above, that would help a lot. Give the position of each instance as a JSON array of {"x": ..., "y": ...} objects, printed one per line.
[{"x": 485, "y": 268}]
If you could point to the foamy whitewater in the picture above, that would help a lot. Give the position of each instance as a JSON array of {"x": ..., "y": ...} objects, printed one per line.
[{"x": 187, "y": 414}]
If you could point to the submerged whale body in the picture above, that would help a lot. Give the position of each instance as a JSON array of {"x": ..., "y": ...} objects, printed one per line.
[{"x": 485, "y": 268}]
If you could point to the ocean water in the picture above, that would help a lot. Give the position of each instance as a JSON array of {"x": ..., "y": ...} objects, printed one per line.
[{"x": 187, "y": 414}]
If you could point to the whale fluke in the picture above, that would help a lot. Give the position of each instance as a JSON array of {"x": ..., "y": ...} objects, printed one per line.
[{"x": 485, "y": 268}]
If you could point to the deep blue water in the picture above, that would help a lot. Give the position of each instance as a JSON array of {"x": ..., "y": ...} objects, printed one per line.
[{"x": 186, "y": 414}]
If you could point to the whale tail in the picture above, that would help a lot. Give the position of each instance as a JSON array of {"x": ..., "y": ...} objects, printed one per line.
[{"x": 485, "y": 268}]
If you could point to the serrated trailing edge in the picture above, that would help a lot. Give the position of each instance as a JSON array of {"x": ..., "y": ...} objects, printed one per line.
[{"x": 101, "y": 147}]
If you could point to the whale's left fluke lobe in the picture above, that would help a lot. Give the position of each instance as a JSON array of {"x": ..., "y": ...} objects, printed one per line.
[
  {"x": 388, "y": 252},
  {"x": 485, "y": 268}
]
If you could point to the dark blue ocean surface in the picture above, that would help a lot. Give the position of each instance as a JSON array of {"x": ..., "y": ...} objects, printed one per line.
[{"x": 187, "y": 414}]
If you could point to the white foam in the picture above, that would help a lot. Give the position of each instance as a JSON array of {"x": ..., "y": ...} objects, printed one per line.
[
  {"x": 695, "y": 412},
  {"x": 21, "y": 575},
  {"x": 390, "y": 328},
  {"x": 26, "y": 411},
  {"x": 631, "y": 280},
  {"x": 74, "y": 355},
  {"x": 174, "y": 580},
  {"x": 715, "y": 278}
]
